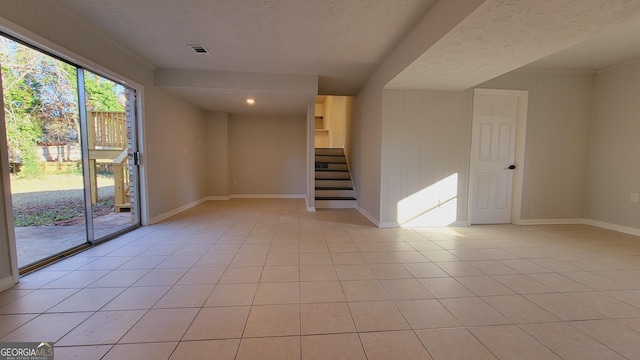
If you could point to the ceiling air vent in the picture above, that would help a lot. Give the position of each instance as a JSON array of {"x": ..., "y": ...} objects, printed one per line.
[{"x": 199, "y": 49}]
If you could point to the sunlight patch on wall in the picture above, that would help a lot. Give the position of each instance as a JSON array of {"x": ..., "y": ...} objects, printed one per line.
[{"x": 435, "y": 205}]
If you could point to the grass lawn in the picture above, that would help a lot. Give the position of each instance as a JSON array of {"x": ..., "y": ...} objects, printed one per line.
[
  {"x": 56, "y": 199},
  {"x": 49, "y": 182}
]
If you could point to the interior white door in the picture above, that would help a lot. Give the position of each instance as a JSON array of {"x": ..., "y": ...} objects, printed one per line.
[{"x": 495, "y": 118}]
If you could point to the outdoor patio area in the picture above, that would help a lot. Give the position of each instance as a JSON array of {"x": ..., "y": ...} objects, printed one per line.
[{"x": 35, "y": 243}]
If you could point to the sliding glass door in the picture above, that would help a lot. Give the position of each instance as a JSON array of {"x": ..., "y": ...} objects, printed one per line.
[
  {"x": 111, "y": 172},
  {"x": 71, "y": 140}
]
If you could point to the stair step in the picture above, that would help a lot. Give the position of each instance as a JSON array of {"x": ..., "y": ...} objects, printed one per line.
[
  {"x": 334, "y": 198},
  {"x": 331, "y": 166},
  {"x": 329, "y": 151},
  {"x": 332, "y": 175},
  {"x": 334, "y": 159},
  {"x": 333, "y": 188},
  {"x": 335, "y": 204},
  {"x": 321, "y": 183},
  {"x": 335, "y": 193}
]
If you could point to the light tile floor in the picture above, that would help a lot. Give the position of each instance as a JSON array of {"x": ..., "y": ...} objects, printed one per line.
[{"x": 264, "y": 279}]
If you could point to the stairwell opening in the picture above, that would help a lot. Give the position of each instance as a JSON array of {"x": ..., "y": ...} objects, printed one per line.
[{"x": 333, "y": 182}]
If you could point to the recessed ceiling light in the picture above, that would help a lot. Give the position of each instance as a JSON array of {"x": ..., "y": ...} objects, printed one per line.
[{"x": 250, "y": 101}]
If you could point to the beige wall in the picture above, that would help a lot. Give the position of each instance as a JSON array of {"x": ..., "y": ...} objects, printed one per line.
[
  {"x": 176, "y": 153},
  {"x": 557, "y": 141},
  {"x": 268, "y": 155},
  {"x": 335, "y": 114},
  {"x": 615, "y": 146},
  {"x": 425, "y": 157},
  {"x": 217, "y": 164}
]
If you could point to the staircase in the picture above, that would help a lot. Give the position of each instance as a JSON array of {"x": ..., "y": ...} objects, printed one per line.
[{"x": 334, "y": 188}]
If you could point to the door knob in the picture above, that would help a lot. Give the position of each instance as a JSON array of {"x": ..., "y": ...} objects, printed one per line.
[{"x": 511, "y": 167}]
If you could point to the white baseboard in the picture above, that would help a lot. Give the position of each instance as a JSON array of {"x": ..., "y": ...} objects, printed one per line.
[
  {"x": 157, "y": 219},
  {"x": 267, "y": 196},
  {"x": 614, "y": 227},
  {"x": 217, "y": 198},
  {"x": 369, "y": 217},
  {"x": 6, "y": 283},
  {"x": 577, "y": 221},
  {"x": 596, "y": 223},
  {"x": 393, "y": 224}
]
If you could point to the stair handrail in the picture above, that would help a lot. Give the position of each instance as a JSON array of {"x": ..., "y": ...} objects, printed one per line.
[{"x": 122, "y": 176}]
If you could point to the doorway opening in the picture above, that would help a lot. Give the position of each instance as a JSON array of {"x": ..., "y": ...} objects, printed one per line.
[{"x": 333, "y": 184}]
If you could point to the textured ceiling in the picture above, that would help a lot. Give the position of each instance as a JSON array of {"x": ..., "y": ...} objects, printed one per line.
[
  {"x": 504, "y": 35},
  {"x": 341, "y": 42},
  {"x": 618, "y": 45}
]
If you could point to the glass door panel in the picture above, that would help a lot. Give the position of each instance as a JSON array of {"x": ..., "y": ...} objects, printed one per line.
[
  {"x": 71, "y": 138},
  {"x": 45, "y": 156},
  {"x": 110, "y": 109}
]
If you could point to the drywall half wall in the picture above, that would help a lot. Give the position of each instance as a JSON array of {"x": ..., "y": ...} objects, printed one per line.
[
  {"x": 615, "y": 144},
  {"x": 425, "y": 158},
  {"x": 217, "y": 164},
  {"x": 268, "y": 155},
  {"x": 557, "y": 142}
]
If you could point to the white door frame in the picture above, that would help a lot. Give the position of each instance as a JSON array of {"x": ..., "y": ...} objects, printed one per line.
[
  {"x": 8, "y": 233},
  {"x": 521, "y": 133}
]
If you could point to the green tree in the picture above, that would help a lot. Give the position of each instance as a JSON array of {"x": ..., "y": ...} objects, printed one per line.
[
  {"x": 21, "y": 105},
  {"x": 103, "y": 94},
  {"x": 41, "y": 102}
]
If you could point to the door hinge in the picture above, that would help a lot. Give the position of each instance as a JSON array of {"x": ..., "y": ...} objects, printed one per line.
[{"x": 136, "y": 158}]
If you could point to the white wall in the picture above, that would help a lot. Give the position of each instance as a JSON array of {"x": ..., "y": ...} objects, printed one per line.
[
  {"x": 557, "y": 142},
  {"x": 366, "y": 152},
  {"x": 615, "y": 145},
  {"x": 426, "y": 139},
  {"x": 425, "y": 157},
  {"x": 217, "y": 164},
  {"x": 368, "y": 119},
  {"x": 268, "y": 155}
]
